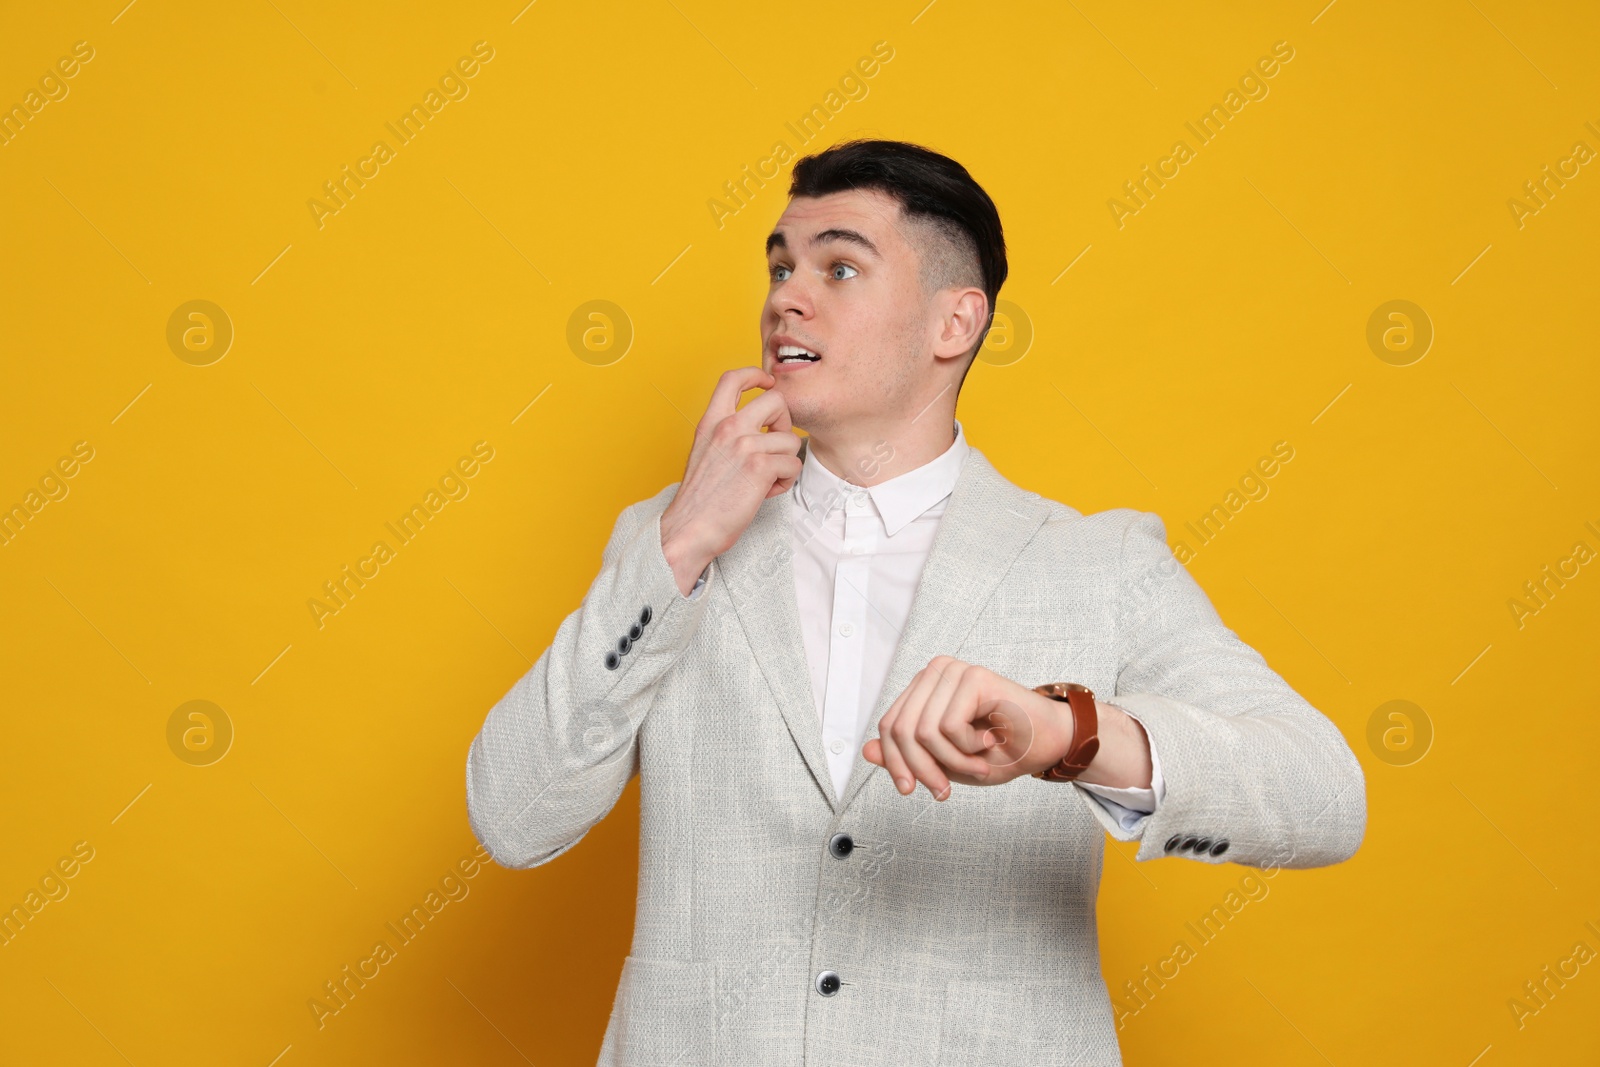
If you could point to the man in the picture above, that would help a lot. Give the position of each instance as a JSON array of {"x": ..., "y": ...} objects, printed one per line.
[{"x": 786, "y": 642}]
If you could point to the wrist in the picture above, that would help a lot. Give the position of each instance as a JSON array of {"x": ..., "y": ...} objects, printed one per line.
[
  {"x": 685, "y": 555},
  {"x": 1123, "y": 761},
  {"x": 1063, "y": 735},
  {"x": 1075, "y": 738}
]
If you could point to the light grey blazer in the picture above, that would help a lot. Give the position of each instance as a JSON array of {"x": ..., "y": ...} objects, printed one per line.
[{"x": 961, "y": 932}]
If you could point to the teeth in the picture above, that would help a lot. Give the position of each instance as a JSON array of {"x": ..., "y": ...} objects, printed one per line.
[{"x": 793, "y": 353}]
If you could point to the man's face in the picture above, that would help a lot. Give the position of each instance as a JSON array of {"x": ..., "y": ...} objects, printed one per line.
[{"x": 844, "y": 284}]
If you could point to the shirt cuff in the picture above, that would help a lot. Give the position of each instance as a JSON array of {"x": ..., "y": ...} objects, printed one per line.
[{"x": 699, "y": 583}]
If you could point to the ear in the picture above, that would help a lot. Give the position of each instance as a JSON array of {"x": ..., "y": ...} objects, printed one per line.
[{"x": 960, "y": 316}]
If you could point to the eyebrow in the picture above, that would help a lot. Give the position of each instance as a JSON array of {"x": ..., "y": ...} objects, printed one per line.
[{"x": 777, "y": 240}]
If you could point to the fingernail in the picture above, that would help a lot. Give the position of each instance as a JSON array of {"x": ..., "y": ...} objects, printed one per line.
[{"x": 902, "y": 785}]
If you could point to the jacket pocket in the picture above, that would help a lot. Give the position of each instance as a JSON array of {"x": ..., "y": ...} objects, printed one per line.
[
  {"x": 1025, "y": 1020},
  {"x": 662, "y": 1015}
]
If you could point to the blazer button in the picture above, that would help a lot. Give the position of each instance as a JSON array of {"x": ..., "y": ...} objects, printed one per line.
[
  {"x": 634, "y": 631},
  {"x": 1172, "y": 842},
  {"x": 841, "y": 846},
  {"x": 623, "y": 644},
  {"x": 612, "y": 660},
  {"x": 644, "y": 616},
  {"x": 1220, "y": 847},
  {"x": 827, "y": 983},
  {"x": 1202, "y": 846},
  {"x": 1186, "y": 845}
]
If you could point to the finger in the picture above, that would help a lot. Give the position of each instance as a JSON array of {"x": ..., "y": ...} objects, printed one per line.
[
  {"x": 970, "y": 734},
  {"x": 724, "y": 403},
  {"x": 1010, "y": 731},
  {"x": 752, "y": 456},
  {"x": 892, "y": 761},
  {"x": 964, "y": 722},
  {"x": 997, "y": 726},
  {"x": 904, "y": 783},
  {"x": 952, "y": 689},
  {"x": 872, "y": 751},
  {"x": 730, "y": 387},
  {"x": 768, "y": 409},
  {"x": 917, "y": 758},
  {"x": 780, "y": 422},
  {"x": 777, "y": 443},
  {"x": 784, "y": 470},
  {"x": 950, "y": 710}
]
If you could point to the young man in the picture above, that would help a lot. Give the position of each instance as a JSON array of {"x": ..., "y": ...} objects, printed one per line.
[{"x": 786, "y": 642}]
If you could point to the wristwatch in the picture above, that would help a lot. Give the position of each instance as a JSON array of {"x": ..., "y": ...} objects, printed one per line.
[{"x": 1085, "y": 730}]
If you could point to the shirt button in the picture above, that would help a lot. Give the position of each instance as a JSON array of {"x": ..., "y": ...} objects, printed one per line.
[
  {"x": 836, "y": 746},
  {"x": 859, "y": 499},
  {"x": 846, "y": 629}
]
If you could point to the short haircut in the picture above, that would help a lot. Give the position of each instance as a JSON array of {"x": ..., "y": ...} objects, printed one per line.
[{"x": 933, "y": 190}]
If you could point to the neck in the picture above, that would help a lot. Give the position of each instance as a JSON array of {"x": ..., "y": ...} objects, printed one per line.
[{"x": 870, "y": 453}]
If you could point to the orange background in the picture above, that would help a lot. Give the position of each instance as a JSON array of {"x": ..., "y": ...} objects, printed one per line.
[{"x": 1147, "y": 364}]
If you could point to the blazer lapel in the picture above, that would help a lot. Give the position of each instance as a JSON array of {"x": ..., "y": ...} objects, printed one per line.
[
  {"x": 758, "y": 574},
  {"x": 986, "y": 524}
]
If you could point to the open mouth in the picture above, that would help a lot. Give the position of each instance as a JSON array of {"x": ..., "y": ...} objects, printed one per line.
[{"x": 796, "y": 354}]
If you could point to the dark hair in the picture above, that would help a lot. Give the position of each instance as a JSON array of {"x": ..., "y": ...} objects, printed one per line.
[{"x": 927, "y": 185}]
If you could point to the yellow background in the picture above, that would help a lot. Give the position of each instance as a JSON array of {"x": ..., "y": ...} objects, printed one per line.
[{"x": 431, "y": 310}]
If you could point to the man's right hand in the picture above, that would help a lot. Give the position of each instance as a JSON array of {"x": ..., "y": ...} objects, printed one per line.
[{"x": 733, "y": 466}]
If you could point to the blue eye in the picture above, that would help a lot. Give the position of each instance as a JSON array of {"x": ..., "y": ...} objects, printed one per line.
[
  {"x": 779, "y": 274},
  {"x": 837, "y": 267}
]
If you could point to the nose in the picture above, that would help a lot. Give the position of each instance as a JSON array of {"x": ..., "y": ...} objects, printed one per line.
[{"x": 793, "y": 298}]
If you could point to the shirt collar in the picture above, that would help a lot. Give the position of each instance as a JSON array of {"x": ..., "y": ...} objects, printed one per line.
[{"x": 900, "y": 499}]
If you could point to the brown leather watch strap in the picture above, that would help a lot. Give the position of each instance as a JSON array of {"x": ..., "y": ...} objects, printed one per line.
[{"x": 1085, "y": 730}]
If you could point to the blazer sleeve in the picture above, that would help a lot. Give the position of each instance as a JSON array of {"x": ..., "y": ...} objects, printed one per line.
[
  {"x": 557, "y": 750},
  {"x": 1249, "y": 764}
]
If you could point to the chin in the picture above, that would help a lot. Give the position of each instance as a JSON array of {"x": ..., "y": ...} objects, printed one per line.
[
  {"x": 804, "y": 411},
  {"x": 807, "y": 412},
  {"x": 814, "y": 403}
]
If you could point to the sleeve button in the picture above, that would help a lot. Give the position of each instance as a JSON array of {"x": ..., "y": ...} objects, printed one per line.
[
  {"x": 644, "y": 616},
  {"x": 1202, "y": 846},
  {"x": 1220, "y": 847},
  {"x": 612, "y": 660},
  {"x": 623, "y": 644},
  {"x": 1172, "y": 842},
  {"x": 634, "y": 631},
  {"x": 1186, "y": 844}
]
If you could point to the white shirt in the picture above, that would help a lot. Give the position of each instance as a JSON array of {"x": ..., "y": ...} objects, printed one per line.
[{"x": 858, "y": 557}]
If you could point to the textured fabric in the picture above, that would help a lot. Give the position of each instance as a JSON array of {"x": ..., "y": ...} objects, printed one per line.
[
  {"x": 858, "y": 554},
  {"x": 963, "y": 932}
]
